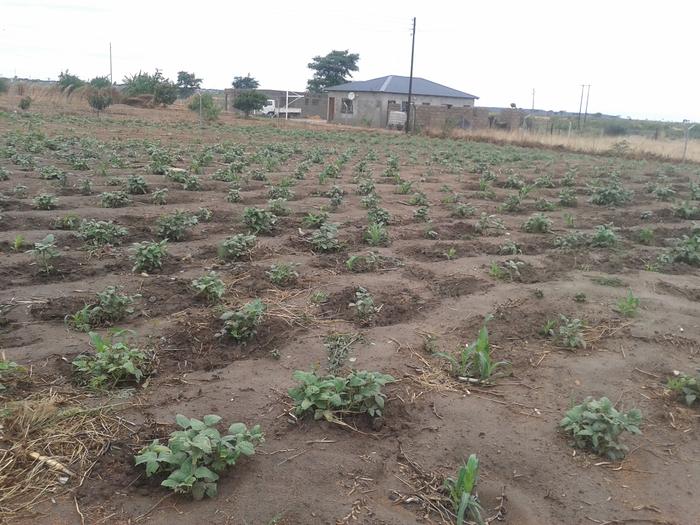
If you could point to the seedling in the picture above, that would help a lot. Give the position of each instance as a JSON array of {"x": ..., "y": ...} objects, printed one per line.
[
  {"x": 113, "y": 364},
  {"x": 18, "y": 242},
  {"x": 148, "y": 256},
  {"x": 597, "y": 425},
  {"x": 242, "y": 324},
  {"x": 209, "y": 286},
  {"x": 421, "y": 214},
  {"x": 196, "y": 455},
  {"x": 510, "y": 248},
  {"x": 569, "y": 333},
  {"x": 462, "y": 492},
  {"x": 278, "y": 207},
  {"x": 629, "y": 305},
  {"x": 377, "y": 215},
  {"x": 686, "y": 386},
  {"x": 645, "y": 236},
  {"x": 364, "y": 305},
  {"x": 332, "y": 397},
  {"x": 237, "y": 246}
]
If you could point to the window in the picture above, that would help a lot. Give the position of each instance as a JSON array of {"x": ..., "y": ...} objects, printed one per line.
[
  {"x": 448, "y": 106},
  {"x": 346, "y": 106}
]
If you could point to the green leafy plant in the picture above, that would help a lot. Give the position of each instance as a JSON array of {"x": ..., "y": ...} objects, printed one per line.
[
  {"x": 111, "y": 307},
  {"x": 9, "y": 371},
  {"x": 136, "y": 185},
  {"x": 604, "y": 236},
  {"x": 45, "y": 201},
  {"x": 196, "y": 455},
  {"x": 45, "y": 253},
  {"x": 597, "y": 425},
  {"x": 377, "y": 215},
  {"x": 686, "y": 386},
  {"x": 376, "y": 235},
  {"x": 567, "y": 198},
  {"x": 325, "y": 239},
  {"x": 174, "y": 227},
  {"x": 332, "y": 397},
  {"x": 282, "y": 274},
  {"x": 233, "y": 195},
  {"x": 114, "y": 199},
  {"x": 259, "y": 220},
  {"x": 210, "y": 286},
  {"x": 148, "y": 255},
  {"x": 473, "y": 362},
  {"x": 364, "y": 305},
  {"x": 314, "y": 220},
  {"x": 611, "y": 194},
  {"x": 114, "y": 362},
  {"x": 237, "y": 246},
  {"x": 100, "y": 233},
  {"x": 242, "y": 324},
  {"x": 686, "y": 250},
  {"x": 570, "y": 333},
  {"x": 160, "y": 196},
  {"x": 538, "y": 223},
  {"x": 462, "y": 492},
  {"x": 421, "y": 214},
  {"x": 462, "y": 210},
  {"x": 629, "y": 305}
]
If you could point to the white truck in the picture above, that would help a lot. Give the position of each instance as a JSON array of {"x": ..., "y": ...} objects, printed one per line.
[{"x": 270, "y": 109}]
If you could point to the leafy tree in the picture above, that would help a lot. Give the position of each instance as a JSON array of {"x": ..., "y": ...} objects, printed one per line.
[
  {"x": 163, "y": 90},
  {"x": 100, "y": 98},
  {"x": 246, "y": 82},
  {"x": 4, "y": 85},
  {"x": 210, "y": 111},
  {"x": 249, "y": 101},
  {"x": 101, "y": 82},
  {"x": 332, "y": 69},
  {"x": 187, "y": 83},
  {"x": 68, "y": 82}
]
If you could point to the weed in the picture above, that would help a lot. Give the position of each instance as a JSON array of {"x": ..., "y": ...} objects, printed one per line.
[
  {"x": 376, "y": 235},
  {"x": 210, "y": 286},
  {"x": 629, "y": 305},
  {"x": 236, "y": 246},
  {"x": 462, "y": 492},
  {"x": 113, "y": 364},
  {"x": 686, "y": 386},
  {"x": 337, "y": 347},
  {"x": 332, "y": 397},
  {"x": 597, "y": 425},
  {"x": 242, "y": 324},
  {"x": 473, "y": 362},
  {"x": 196, "y": 455},
  {"x": 608, "y": 281},
  {"x": 148, "y": 255},
  {"x": 282, "y": 274}
]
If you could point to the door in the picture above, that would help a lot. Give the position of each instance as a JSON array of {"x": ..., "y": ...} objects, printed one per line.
[{"x": 331, "y": 108}]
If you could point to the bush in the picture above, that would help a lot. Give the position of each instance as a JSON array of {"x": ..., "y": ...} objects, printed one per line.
[
  {"x": 596, "y": 425},
  {"x": 331, "y": 397},
  {"x": 210, "y": 111},
  {"x": 100, "y": 98},
  {"x": 67, "y": 82},
  {"x": 614, "y": 130},
  {"x": 163, "y": 90},
  {"x": 24, "y": 103},
  {"x": 249, "y": 101},
  {"x": 196, "y": 455}
]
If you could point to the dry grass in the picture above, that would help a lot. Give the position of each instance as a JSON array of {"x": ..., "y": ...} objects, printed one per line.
[
  {"x": 49, "y": 443},
  {"x": 636, "y": 146}
]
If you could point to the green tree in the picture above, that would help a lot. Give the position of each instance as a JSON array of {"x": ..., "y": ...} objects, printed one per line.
[
  {"x": 332, "y": 69},
  {"x": 249, "y": 101},
  {"x": 100, "y": 98},
  {"x": 68, "y": 82},
  {"x": 4, "y": 85},
  {"x": 163, "y": 90},
  {"x": 187, "y": 83},
  {"x": 246, "y": 82},
  {"x": 101, "y": 82},
  {"x": 210, "y": 111}
]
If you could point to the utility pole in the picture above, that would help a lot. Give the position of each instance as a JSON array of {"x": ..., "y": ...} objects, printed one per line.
[
  {"x": 580, "y": 107},
  {"x": 588, "y": 94},
  {"x": 111, "y": 80},
  {"x": 410, "y": 78},
  {"x": 533, "y": 100}
]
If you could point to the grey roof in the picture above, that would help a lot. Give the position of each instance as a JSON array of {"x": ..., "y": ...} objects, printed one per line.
[{"x": 398, "y": 84}]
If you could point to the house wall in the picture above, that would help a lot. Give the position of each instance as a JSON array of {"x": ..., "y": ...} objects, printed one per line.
[
  {"x": 312, "y": 104},
  {"x": 370, "y": 109}
]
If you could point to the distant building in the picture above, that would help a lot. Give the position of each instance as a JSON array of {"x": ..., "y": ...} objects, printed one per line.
[{"x": 379, "y": 102}]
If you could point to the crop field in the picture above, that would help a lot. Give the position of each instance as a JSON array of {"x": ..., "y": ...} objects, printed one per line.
[{"x": 322, "y": 325}]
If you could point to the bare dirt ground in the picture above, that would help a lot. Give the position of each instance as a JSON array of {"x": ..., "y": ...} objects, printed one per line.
[{"x": 438, "y": 284}]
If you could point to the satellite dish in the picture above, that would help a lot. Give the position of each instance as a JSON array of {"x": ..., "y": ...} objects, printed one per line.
[{"x": 351, "y": 95}]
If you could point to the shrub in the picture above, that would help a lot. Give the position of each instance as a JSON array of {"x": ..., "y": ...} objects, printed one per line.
[
  {"x": 99, "y": 233},
  {"x": 474, "y": 362},
  {"x": 597, "y": 425},
  {"x": 100, "y": 99},
  {"x": 242, "y": 324},
  {"x": 209, "y": 286},
  {"x": 174, "y": 227},
  {"x": 45, "y": 201},
  {"x": 538, "y": 223},
  {"x": 236, "y": 246},
  {"x": 44, "y": 253},
  {"x": 332, "y": 397},
  {"x": 462, "y": 492},
  {"x": 325, "y": 239},
  {"x": 24, "y": 103},
  {"x": 163, "y": 90},
  {"x": 114, "y": 199},
  {"x": 114, "y": 362},
  {"x": 67, "y": 82},
  {"x": 148, "y": 256},
  {"x": 259, "y": 220},
  {"x": 686, "y": 386},
  {"x": 196, "y": 455},
  {"x": 249, "y": 101},
  {"x": 111, "y": 307},
  {"x": 205, "y": 106}
]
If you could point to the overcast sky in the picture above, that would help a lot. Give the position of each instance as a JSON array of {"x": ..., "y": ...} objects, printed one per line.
[{"x": 639, "y": 56}]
